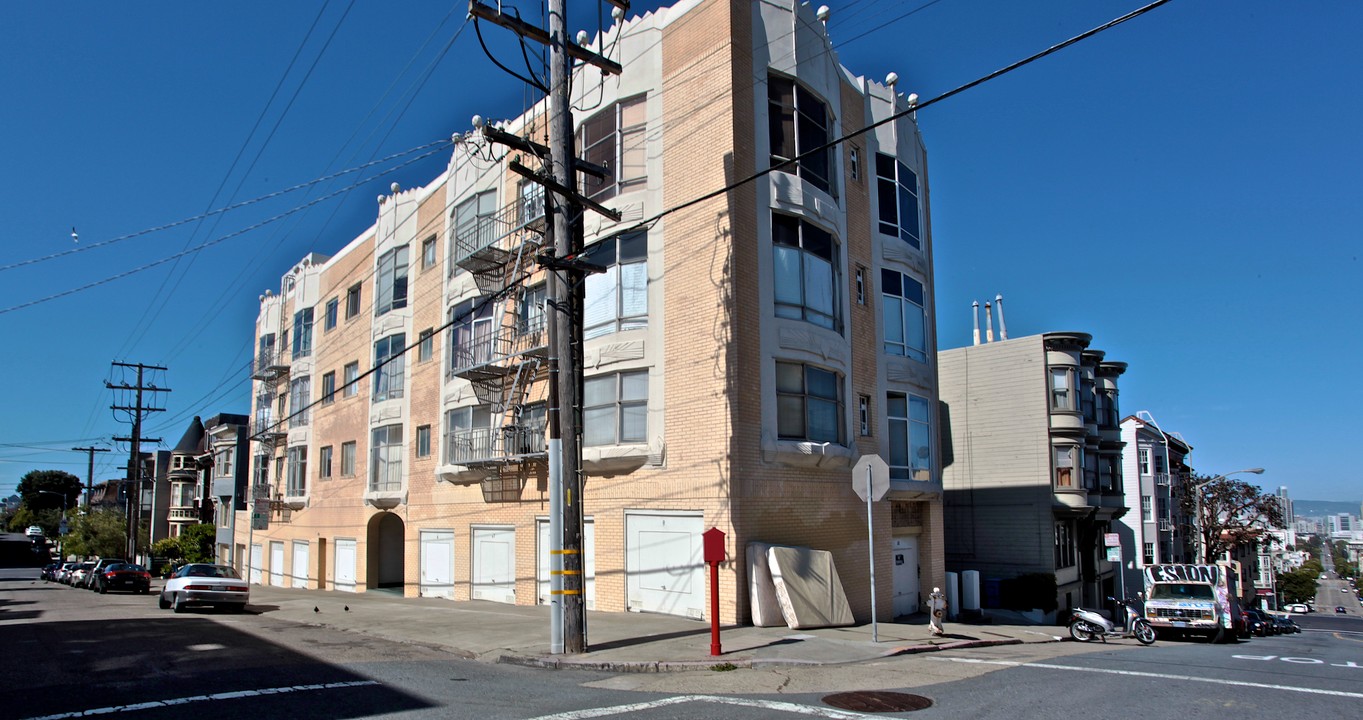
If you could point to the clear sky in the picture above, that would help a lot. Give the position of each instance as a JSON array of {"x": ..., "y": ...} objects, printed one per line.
[{"x": 1182, "y": 187}]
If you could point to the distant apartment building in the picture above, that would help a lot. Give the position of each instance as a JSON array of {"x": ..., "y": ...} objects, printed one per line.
[
  {"x": 740, "y": 354},
  {"x": 185, "y": 480},
  {"x": 1033, "y": 468},
  {"x": 1154, "y": 474},
  {"x": 227, "y": 445}
]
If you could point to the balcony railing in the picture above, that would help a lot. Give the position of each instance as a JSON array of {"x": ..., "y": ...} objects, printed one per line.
[
  {"x": 269, "y": 364},
  {"x": 264, "y": 427},
  {"x": 183, "y": 514},
  {"x": 493, "y": 349},
  {"x": 479, "y": 446},
  {"x": 1166, "y": 526},
  {"x": 488, "y": 230},
  {"x": 1162, "y": 479}
]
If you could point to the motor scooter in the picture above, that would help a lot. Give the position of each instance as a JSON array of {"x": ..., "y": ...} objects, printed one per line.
[{"x": 1088, "y": 625}]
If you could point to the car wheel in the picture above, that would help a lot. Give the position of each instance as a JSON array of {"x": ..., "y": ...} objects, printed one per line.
[
  {"x": 162, "y": 602},
  {"x": 178, "y": 605},
  {"x": 103, "y": 589}
]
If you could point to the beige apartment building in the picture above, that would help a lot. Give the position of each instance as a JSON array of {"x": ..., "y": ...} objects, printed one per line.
[
  {"x": 1033, "y": 474},
  {"x": 740, "y": 354}
]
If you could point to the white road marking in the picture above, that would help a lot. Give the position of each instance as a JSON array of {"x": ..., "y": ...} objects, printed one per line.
[
  {"x": 776, "y": 705},
  {"x": 206, "y": 647},
  {"x": 206, "y": 698},
  {"x": 1158, "y": 676}
]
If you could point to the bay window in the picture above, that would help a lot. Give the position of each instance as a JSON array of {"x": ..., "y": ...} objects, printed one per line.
[
  {"x": 300, "y": 397},
  {"x": 806, "y": 275},
  {"x": 391, "y": 292},
  {"x": 910, "y": 423},
  {"x": 614, "y": 139},
  {"x": 470, "y": 333},
  {"x": 385, "y": 459},
  {"x": 302, "y": 333},
  {"x": 389, "y": 367},
  {"x": 897, "y": 195},
  {"x": 298, "y": 471},
  {"x": 615, "y": 408},
  {"x": 617, "y": 299},
  {"x": 905, "y": 315},
  {"x": 798, "y": 122},
  {"x": 1062, "y": 389},
  {"x": 809, "y": 403}
]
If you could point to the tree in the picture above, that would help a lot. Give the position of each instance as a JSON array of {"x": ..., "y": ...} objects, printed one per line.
[
  {"x": 1299, "y": 585},
  {"x": 36, "y": 486},
  {"x": 1231, "y": 513},
  {"x": 197, "y": 541},
  {"x": 102, "y": 533}
]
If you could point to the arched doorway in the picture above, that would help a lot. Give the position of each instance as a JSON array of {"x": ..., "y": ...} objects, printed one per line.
[{"x": 387, "y": 537}]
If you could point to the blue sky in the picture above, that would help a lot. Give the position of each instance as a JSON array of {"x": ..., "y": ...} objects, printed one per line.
[{"x": 1182, "y": 187}]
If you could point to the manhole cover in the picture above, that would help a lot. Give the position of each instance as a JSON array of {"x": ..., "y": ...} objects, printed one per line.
[{"x": 877, "y": 701}]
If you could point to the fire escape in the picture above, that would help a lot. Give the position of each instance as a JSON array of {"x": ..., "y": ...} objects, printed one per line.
[
  {"x": 268, "y": 426},
  {"x": 500, "y": 347}
]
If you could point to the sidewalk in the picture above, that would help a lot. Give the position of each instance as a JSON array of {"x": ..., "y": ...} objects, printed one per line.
[{"x": 617, "y": 642}]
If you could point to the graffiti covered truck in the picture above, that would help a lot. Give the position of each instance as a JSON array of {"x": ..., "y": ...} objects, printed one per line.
[{"x": 1193, "y": 599}]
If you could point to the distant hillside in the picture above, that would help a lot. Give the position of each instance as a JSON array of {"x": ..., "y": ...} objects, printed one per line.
[{"x": 1321, "y": 508}]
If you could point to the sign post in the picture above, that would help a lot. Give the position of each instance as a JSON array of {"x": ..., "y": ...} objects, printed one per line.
[
  {"x": 712, "y": 545},
  {"x": 1113, "y": 543},
  {"x": 870, "y": 481}
]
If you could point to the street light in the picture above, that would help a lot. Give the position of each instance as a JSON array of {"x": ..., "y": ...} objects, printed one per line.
[{"x": 1197, "y": 505}]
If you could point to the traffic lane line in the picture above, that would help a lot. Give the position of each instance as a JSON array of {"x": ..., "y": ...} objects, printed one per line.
[
  {"x": 233, "y": 695},
  {"x": 1157, "y": 676}
]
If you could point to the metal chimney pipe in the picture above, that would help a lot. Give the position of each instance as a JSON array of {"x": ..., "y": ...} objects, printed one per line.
[
  {"x": 975, "y": 316},
  {"x": 1003, "y": 329},
  {"x": 988, "y": 323}
]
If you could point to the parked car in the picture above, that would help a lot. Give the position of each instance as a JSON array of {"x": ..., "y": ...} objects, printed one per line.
[
  {"x": 63, "y": 574},
  {"x": 49, "y": 571},
  {"x": 1301, "y": 608},
  {"x": 1259, "y": 622},
  {"x": 123, "y": 576},
  {"x": 1340, "y": 609},
  {"x": 205, "y": 584},
  {"x": 101, "y": 565},
  {"x": 81, "y": 574},
  {"x": 1285, "y": 625}
]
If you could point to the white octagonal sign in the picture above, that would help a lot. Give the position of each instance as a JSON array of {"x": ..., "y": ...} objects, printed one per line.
[{"x": 879, "y": 477}]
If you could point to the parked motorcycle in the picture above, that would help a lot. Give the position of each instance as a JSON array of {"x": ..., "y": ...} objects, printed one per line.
[{"x": 1088, "y": 625}]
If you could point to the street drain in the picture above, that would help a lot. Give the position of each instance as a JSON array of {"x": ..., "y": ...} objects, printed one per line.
[{"x": 877, "y": 701}]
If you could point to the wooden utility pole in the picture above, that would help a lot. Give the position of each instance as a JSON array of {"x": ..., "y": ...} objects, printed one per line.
[
  {"x": 89, "y": 472},
  {"x": 137, "y": 412},
  {"x": 564, "y": 206}
]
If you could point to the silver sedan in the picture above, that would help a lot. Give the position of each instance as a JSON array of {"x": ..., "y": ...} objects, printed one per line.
[{"x": 205, "y": 584}]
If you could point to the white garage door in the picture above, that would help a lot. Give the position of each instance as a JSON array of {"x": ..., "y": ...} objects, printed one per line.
[
  {"x": 588, "y": 558},
  {"x": 299, "y": 568},
  {"x": 663, "y": 565},
  {"x": 277, "y": 564},
  {"x": 494, "y": 564},
  {"x": 437, "y": 563},
  {"x": 345, "y": 565},
  {"x": 256, "y": 562}
]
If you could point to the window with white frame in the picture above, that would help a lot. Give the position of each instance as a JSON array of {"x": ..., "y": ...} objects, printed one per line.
[
  {"x": 298, "y": 471},
  {"x": 530, "y": 316},
  {"x": 389, "y": 367},
  {"x": 302, "y": 333},
  {"x": 425, "y": 348},
  {"x": 1062, "y": 389},
  {"x": 615, "y": 408},
  {"x": 1069, "y": 459},
  {"x": 471, "y": 333},
  {"x": 809, "y": 403},
  {"x": 428, "y": 253},
  {"x": 351, "y": 379},
  {"x": 475, "y": 223},
  {"x": 905, "y": 315},
  {"x": 300, "y": 396},
  {"x": 391, "y": 292},
  {"x": 468, "y": 434},
  {"x": 897, "y": 196},
  {"x": 348, "y": 458},
  {"x": 614, "y": 139},
  {"x": 806, "y": 272},
  {"x": 1143, "y": 456},
  {"x": 385, "y": 459},
  {"x": 1148, "y": 553},
  {"x": 910, "y": 419},
  {"x": 616, "y": 299},
  {"x": 1065, "y": 555},
  {"x": 1147, "y": 509},
  {"x": 798, "y": 122}
]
